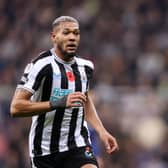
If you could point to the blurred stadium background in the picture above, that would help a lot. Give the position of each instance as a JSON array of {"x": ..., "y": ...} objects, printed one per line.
[{"x": 128, "y": 42}]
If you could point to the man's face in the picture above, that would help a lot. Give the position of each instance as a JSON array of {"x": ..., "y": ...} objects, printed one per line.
[{"x": 66, "y": 37}]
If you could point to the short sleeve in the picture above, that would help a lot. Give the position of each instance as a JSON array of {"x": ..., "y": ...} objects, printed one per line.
[
  {"x": 89, "y": 69},
  {"x": 32, "y": 76}
]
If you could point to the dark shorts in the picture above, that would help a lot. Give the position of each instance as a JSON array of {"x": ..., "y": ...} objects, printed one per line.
[{"x": 69, "y": 159}]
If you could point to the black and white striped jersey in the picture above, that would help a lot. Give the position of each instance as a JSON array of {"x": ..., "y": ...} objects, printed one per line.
[{"x": 48, "y": 77}]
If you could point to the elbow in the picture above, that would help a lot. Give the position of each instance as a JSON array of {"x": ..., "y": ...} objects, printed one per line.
[{"x": 14, "y": 111}]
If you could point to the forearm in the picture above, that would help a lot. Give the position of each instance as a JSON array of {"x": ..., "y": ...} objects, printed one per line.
[
  {"x": 26, "y": 108},
  {"x": 22, "y": 106},
  {"x": 92, "y": 117}
]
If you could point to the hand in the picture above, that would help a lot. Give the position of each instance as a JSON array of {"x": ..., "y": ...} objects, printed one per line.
[
  {"x": 109, "y": 141},
  {"x": 76, "y": 99}
]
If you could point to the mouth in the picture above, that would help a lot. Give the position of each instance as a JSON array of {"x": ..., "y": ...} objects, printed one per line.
[{"x": 71, "y": 47}]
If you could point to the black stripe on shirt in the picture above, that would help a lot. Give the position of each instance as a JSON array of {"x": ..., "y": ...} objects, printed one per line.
[
  {"x": 78, "y": 87},
  {"x": 56, "y": 128},
  {"x": 21, "y": 82},
  {"x": 89, "y": 74},
  {"x": 78, "y": 83},
  {"x": 23, "y": 79},
  {"x": 71, "y": 137},
  {"x": 42, "y": 55},
  {"x": 46, "y": 92},
  {"x": 84, "y": 132},
  {"x": 85, "y": 135},
  {"x": 43, "y": 72}
]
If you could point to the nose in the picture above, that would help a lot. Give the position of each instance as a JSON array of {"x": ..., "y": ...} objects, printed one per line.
[{"x": 72, "y": 37}]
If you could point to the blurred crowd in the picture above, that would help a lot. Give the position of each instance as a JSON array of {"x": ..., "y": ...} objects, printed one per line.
[{"x": 128, "y": 42}]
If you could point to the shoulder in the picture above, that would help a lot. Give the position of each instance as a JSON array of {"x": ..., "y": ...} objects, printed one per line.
[
  {"x": 42, "y": 61},
  {"x": 44, "y": 56},
  {"x": 84, "y": 62}
]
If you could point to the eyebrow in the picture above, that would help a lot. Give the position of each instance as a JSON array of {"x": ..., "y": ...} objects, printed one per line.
[{"x": 69, "y": 29}]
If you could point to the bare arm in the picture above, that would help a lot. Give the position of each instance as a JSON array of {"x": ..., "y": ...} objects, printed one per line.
[
  {"x": 22, "y": 106},
  {"x": 93, "y": 119}
]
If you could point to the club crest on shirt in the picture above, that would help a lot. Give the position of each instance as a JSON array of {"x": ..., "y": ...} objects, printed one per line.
[{"x": 88, "y": 152}]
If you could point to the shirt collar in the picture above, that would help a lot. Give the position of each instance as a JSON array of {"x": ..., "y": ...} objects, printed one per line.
[{"x": 60, "y": 60}]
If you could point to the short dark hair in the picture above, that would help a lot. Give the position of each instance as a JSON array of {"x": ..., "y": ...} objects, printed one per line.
[{"x": 61, "y": 19}]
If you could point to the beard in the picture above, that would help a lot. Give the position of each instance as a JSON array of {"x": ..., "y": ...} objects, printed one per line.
[{"x": 65, "y": 53}]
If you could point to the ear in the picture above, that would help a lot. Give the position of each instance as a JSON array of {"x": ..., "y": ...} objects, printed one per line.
[{"x": 53, "y": 37}]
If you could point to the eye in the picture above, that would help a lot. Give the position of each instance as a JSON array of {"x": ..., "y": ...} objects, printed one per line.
[
  {"x": 76, "y": 32},
  {"x": 65, "y": 32}
]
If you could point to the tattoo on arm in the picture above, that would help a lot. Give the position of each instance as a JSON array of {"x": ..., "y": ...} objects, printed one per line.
[{"x": 22, "y": 93}]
